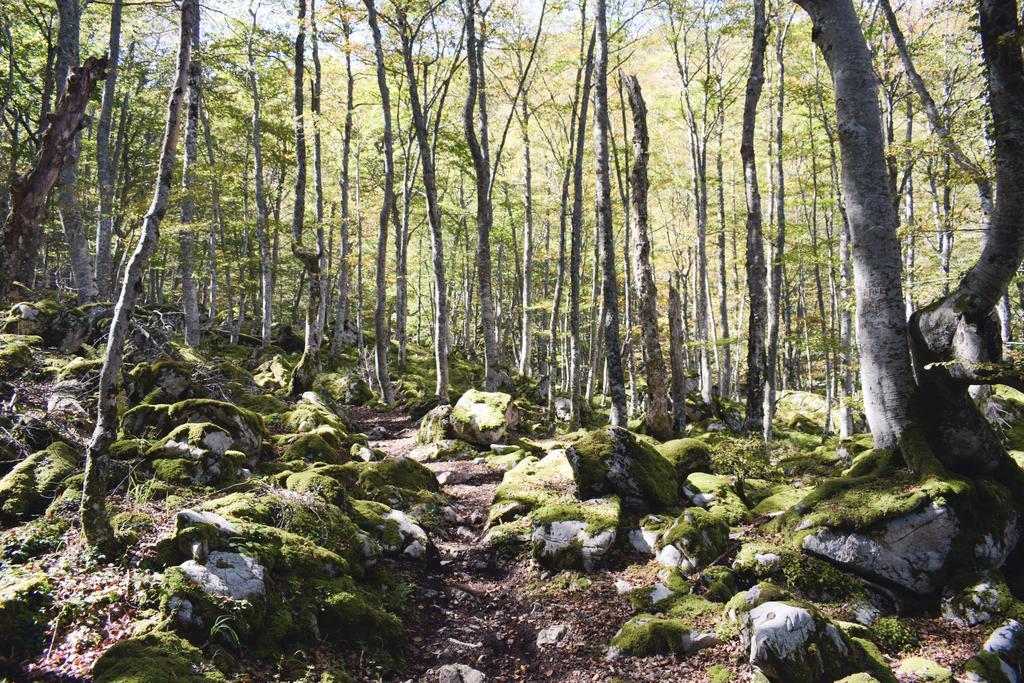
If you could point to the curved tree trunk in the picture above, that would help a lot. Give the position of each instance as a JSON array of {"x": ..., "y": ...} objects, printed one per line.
[{"x": 95, "y": 522}]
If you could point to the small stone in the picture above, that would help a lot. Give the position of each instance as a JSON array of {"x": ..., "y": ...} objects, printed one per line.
[
  {"x": 232, "y": 575},
  {"x": 622, "y": 586},
  {"x": 459, "y": 673},
  {"x": 552, "y": 635}
]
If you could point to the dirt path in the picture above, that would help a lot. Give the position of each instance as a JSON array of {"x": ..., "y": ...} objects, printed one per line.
[{"x": 466, "y": 607}]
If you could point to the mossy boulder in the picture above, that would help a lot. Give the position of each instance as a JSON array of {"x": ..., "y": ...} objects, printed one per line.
[
  {"x": 791, "y": 642},
  {"x": 646, "y": 635},
  {"x": 1001, "y": 659},
  {"x": 613, "y": 460},
  {"x": 482, "y": 417},
  {"x": 921, "y": 670},
  {"x": 694, "y": 540},
  {"x": 25, "y": 604},
  {"x": 436, "y": 425},
  {"x": 348, "y": 389},
  {"x": 273, "y": 374},
  {"x": 979, "y": 599},
  {"x": 575, "y": 535},
  {"x": 156, "y": 421},
  {"x": 717, "y": 493},
  {"x": 394, "y": 530},
  {"x": 156, "y": 657},
  {"x": 806, "y": 576},
  {"x": 321, "y": 444},
  {"x": 27, "y": 489},
  {"x": 196, "y": 452},
  {"x": 686, "y": 455},
  {"x": 17, "y": 353},
  {"x": 163, "y": 381}
]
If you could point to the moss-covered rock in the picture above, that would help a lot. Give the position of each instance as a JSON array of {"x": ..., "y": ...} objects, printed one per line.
[
  {"x": 921, "y": 670},
  {"x": 156, "y": 657},
  {"x": 686, "y": 455},
  {"x": 273, "y": 374},
  {"x": 436, "y": 425},
  {"x": 25, "y": 604},
  {"x": 717, "y": 493},
  {"x": 792, "y": 642},
  {"x": 27, "y": 489},
  {"x": 394, "y": 530},
  {"x": 1001, "y": 659},
  {"x": 803, "y": 575},
  {"x": 321, "y": 444},
  {"x": 196, "y": 452},
  {"x": 347, "y": 389},
  {"x": 612, "y": 460},
  {"x": 16, "y": 353},
  {"x": 483, "y": 418},
  {"x": 979, "y": 599},
  {"x": 156, "y": 421},
  {"x": 695, "y": 539},
  {"x": 575, "y": 535},
  {"x": 163, "y": 381},
  {"x": 646, "y": 635}
]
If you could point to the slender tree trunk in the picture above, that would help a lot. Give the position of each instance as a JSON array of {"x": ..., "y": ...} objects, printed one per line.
[
  {"x": 441, "y": 333},
  {"x": 677, "y": 356},
  {"x": 186, "y": 237},
  {"x": 318, "y": 180},
  {"x": 95, "y": 522},
  {"x": 527, "y": 333},
  {"x": 104, "y": 162},
  {"x": 659, "y": 424},
  {"x": 341, "y": 308},
  {"x": 756, "y": 272},
  {"x": 262, "y": 231},
  {"x": 606, "y": 243},
  {"x": 70, "y": 209},
  {"x": 484, "y": 208},
  {"x": 380, "y": 311}
]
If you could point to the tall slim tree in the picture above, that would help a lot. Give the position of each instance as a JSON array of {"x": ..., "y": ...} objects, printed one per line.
[
  {"x": 756, "y": 271},
  {"x": 68, "y": 56},
  {"x": 380, "y": 310},
  {"x": 95, "y": 522},
  {"x": 104, "y": 161},
  {"x": 187, "y": 236},
  {"x": 262, "y": 210},
  {"x": 659, "y": 424},
  {"x": 606, "y": 242},
  {"x": 342, "y": 304}
]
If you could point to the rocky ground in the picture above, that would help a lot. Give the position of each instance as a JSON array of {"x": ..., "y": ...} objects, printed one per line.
[{"x": 325, "y": 537}]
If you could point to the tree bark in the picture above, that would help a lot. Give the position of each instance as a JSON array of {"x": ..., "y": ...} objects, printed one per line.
[
  {"x": 659, "y": 424},
  {"x": 380, "y": 311},
  {"x": 95, "y": 522},
  {"x": 484, "y": 207},
  {"x": 29, "y": 193},
  {"x": 342, "y": 305},
  {"x": 70, "y": 208},
  {"x": 262, "y": 212},
  {"x": 104, "y": 162},
  {"x": 606, "y": 240},
  {"x": 677, "y": 356},
  {"x": 756, "y": 272},
  {"x": 186, "y": 237}
]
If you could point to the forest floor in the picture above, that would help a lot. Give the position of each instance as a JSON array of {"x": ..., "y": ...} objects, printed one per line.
[{"x": 469, "y": 607}]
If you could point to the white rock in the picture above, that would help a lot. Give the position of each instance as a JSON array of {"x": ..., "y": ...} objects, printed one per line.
[
  {"x": 459, "y": 673},
  {"x": 622, "y": 586},
  {"x": 660, "y": 592},
  {"x": 231, "y": 575},
  {"x": 552, "y": 635}
]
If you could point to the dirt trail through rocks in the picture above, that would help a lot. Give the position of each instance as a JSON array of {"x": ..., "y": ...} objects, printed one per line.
[{"x": 467, "y": 608}]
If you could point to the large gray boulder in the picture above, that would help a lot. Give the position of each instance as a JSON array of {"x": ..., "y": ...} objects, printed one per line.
[
  {"x": 1001, "y": 659},
  {"x": 483, "y": 417}
]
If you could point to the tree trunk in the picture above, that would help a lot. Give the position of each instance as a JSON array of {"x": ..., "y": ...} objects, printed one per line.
[
  {"x": 659, "y": 424},
  {"x": 341, "y": 308},
  {"x": 677, "y": 356},
  {"x": 484, "y": 207},
  {"x": 29, "y": 193},
  {"x": 380, "y": 311},
  {"x": 886, "y": 378},
  {"x": 186, "y": 237},
  {"x": 70, "y": 208},
  {"x": 104, "y": 161},
  {"x": 309, "y": 363},
  {"x": 95, "y": 522},
  {"x": 527, "y": 334},
  {"x": 606, "y": 240},
  {"x": 441, "y": 333},
  {"x": 262, "y": 213},
  {"x": 756, "y": 272}
]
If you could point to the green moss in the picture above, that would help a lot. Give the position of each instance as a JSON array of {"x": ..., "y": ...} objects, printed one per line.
[
  {"x": 25, "y": 602},
  {"x": 157, "y": 657},
  {"x": 921, "y": 670},
  {"x": 322, "y": 444},
  {"x": 686, "y": 455},
  {"x": 78, "y": 368},
  {"x": 600, "y": 514},
  {"x": 892, "y": 635},
  {"x": 717, "y": 493},
  {"x": 155, "y": 421},
  {"x": 719, "y": 674},
  {"x": 128, "y": 526},
  {"x": 699, "y": 537},
  {"x": 27, "y": 489},
  {"x": 611, "y": 460},
  {"x": 781, "y": 499},
  {"x": 179, "y": 471},
  {"x": 874, "y": 662},
  {"x": 645, "y": 635}
]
